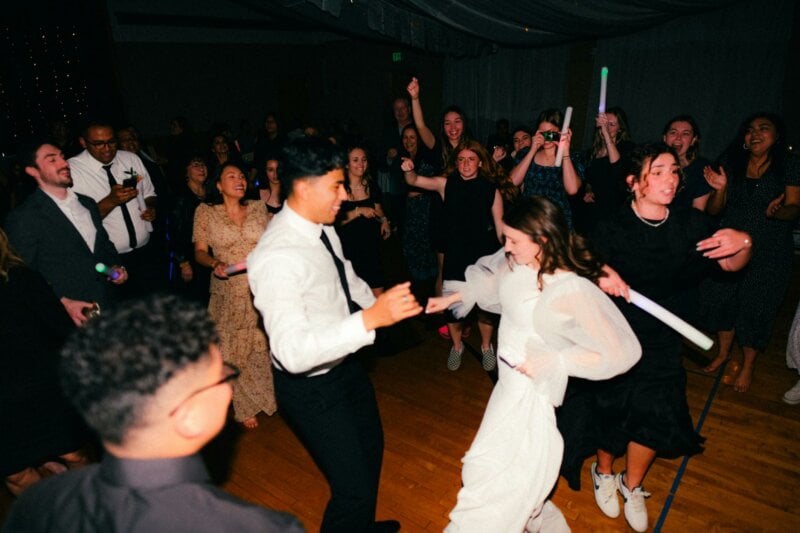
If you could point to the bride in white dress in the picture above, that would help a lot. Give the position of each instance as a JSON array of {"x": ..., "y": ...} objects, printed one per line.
[{"x": 555, "y": 323}]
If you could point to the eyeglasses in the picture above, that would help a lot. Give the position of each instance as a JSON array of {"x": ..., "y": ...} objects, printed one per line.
[
  {"x": 100, "y": 144},
  {"x": 231, "y": 371}
]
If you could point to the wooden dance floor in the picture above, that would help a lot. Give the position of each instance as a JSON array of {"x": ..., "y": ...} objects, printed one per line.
[{"x": 748, "y": 478}]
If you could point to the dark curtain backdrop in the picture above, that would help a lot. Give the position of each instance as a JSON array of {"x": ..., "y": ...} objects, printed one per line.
[{"x": 719, "y": 66}]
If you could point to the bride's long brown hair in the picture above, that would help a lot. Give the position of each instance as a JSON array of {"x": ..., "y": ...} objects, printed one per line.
[{"x": 544, "y": 223}]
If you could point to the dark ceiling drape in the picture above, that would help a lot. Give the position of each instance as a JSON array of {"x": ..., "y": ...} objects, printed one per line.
[
  {"x": 468, "y": 27},
  {"x": 719, "y": 66}
]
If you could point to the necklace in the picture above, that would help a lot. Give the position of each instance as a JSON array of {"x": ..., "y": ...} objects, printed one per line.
[{"x": 651, "y": 224}]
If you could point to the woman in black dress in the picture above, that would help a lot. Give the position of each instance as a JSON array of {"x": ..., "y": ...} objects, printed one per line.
[
  {"x": 361, "y": 223},
  {"x": 763, "y": 199},
  {"x": 41, "y": 433},
  {"x": 193, "y": 279},
  {"x": 418, "y": 248},
  {"x": 606, "y": 164},
  {"x": 473, "y": 214},
  {"x": 659, "y": 252},
  {"x": 269, "y": 188}
]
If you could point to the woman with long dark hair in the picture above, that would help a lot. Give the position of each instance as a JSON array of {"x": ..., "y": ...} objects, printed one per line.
[
  {"x": 606, "y": 163},
  {"x": 418, "y": 250},
  {"x": 229, "y": 226},
  {"x": 536, "y": 171},
  {"x": 361, "y": 223},
  {"x": 763, "y": 199},
  {"x": 193, "y": 278},
  {"x": 555, "y": 323}
]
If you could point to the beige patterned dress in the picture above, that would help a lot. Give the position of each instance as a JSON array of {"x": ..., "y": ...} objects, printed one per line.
[{"x": 242, "y": 338}]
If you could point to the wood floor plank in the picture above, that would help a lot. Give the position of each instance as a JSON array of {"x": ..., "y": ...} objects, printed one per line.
[{"x": 747, "y": 479}]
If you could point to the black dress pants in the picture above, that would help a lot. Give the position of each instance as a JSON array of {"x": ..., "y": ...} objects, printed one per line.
[{"x": 336, "y": 417}]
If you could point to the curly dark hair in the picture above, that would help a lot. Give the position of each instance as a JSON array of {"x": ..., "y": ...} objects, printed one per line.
[
  {"x": 643, "y": 156},
  {"x": 545, "y": 224},
  {"x": 111, "y": 369}
]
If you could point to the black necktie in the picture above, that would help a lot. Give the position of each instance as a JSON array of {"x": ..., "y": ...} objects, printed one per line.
[
  {"x": 126, "y": 215},
  {"x": 340, "y": 269}
]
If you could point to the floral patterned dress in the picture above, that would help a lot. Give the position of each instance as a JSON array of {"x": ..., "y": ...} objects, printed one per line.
[{"x": 242, "y": 338}]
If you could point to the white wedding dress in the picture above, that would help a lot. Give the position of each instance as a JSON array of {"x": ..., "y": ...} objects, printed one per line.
[{"x": 570, "y": 328}]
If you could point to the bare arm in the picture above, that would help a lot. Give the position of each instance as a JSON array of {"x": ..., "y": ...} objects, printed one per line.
[
  {"x": 436, "y": 184},
  {"x": 731, "y": 248},
  {"x": 572, "y": 182},
  {"x": 787, "y": 205},
  {"x": 718, "y": 197},
  {"x": 202, "y": 257},
  {"x": 613, "y": 153},
  {"x": 118, "y": 196},
  {"x": 442, "y": 303},
  {"x": 392, "y": 306},
  {"x": 419, "y": 120},
  {"x": 497, "y": 215}
]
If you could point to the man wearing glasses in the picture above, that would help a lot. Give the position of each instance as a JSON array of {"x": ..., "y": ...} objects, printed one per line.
[
  {"x": 150, "y": 380},
  {"x": 120, "y": 184}
]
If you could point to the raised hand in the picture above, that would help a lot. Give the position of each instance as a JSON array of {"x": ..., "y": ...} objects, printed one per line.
[
  {"x": 413, "y": 89},
  {"x": 716, "y": 180}
]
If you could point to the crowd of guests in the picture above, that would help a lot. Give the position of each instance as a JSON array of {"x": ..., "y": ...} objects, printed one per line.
[{"x": 100, "y": 220}]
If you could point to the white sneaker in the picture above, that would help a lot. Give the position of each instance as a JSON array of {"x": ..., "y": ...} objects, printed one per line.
[
  {"x": 792, "y": 396},
  {"x": 605, "y": 492},
  {"x": 454, "y": 358},
  {"x": 635, "y": 508}
]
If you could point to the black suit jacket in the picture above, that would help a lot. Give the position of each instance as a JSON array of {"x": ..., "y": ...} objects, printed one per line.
[{"x": 48, "y": 242}]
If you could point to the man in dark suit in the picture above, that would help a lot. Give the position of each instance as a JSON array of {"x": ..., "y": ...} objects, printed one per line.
[{"x": 60, "y": 234}]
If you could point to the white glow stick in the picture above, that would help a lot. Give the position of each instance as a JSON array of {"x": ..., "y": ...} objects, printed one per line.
[
  {"x": 681, "y": 326},
  {"x": 603, "y": 84},
  {"x": 236, "y": 268},
  {"x": 564, "y": 128}
]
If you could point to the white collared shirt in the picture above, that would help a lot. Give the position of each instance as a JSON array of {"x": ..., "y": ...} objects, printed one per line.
[
  {"x": 78, "y": 215},
  {"x": 298, "y": 291},
  {"x": 90, "y": 179}
]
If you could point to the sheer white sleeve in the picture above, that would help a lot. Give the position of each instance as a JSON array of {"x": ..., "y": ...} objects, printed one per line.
[
  {"x": 480, "y": 287},
  {"x": 584, "y": 335}
]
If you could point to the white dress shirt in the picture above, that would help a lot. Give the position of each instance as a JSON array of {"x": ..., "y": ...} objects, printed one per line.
[
  {"x": 76, "y": 213},
  {"x": 90, "y": 179},
  {"x": 300, "y": 296}
]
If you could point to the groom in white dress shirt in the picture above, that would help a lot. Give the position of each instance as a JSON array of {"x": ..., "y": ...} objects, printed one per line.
[{"x": 317, "y": 312}]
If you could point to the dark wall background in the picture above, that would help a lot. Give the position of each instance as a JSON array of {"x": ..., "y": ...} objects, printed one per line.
[
  {"x": 330, "y": 82},
  {"x": 319, "y": 84}
]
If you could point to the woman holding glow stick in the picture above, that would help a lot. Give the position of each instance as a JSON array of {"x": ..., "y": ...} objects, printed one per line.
[
  {"x": 606, "y": 164},
  {"x": 536, "y": 169},
  {"x": 230, "y": 226},
  {"x": 659, "y": 252},
  {"x": 555, "y": 323}
]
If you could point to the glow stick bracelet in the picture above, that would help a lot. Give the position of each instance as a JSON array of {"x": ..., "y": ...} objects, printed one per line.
[
  {"x": 236, "y": 268},
  {"x": 603, "y": 85},
  {"x": 102, "y": 268},
  {"x": 564, "y": 129},
  {"x": 681, "y": 326}
]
